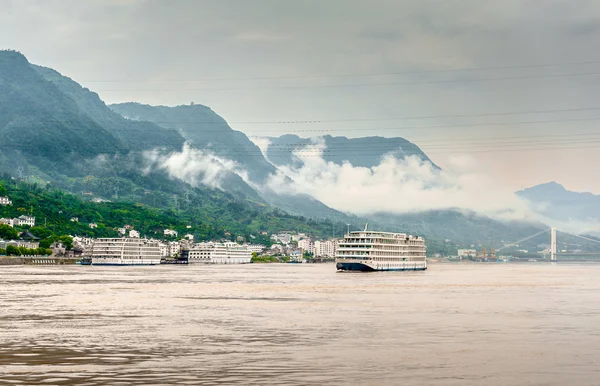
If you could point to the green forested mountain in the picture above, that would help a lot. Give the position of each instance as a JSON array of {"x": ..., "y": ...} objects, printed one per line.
[
  {"x": 205, "y": 130},
  {"x": 133, "y": 135},
  {"x": 41, "y": 127},
  {"x": 216, "y": 218}
]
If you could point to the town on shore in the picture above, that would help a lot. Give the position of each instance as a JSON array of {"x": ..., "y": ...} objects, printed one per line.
[{"x": 284, "y": 246}]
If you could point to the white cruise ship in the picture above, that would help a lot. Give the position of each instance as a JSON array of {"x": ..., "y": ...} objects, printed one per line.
[
  {"x": 218, "y": 253},
  {"x": 381, "y": 251},
  {"x": 125, "y": 251}
]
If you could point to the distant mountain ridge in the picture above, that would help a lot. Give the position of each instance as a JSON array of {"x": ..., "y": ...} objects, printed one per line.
[
  {"x": 554, "y": 201},
  {"x": 359, "y": 152}
]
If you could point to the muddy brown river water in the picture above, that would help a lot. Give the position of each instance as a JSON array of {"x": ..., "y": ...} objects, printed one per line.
[{"x": 300, "y": 324}]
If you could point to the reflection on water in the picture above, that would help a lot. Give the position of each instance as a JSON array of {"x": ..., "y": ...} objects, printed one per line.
[{"x": 300, "y": 325}]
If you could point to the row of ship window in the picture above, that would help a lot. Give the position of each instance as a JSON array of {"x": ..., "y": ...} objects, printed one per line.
[{"x": 375, "y": 253}]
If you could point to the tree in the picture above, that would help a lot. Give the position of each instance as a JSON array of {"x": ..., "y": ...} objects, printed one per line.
[
  {"x": 2, "y": 190},
  {"x": 8, "y": 233},
  {"x": 40, "y": 232},
  {"x": 67, "y": 241},
  {"x": 45, "y": 243},
  {"x": 11, "y": 250}
]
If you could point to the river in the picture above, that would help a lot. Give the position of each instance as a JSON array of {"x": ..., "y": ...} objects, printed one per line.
[{"x": 300, "y": 324}]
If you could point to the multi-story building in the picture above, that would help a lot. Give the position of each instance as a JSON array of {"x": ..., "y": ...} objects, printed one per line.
[
  {"x": 174, "y": 248},
  {"x": 5, "y": 201},
  {"x": 134, "y": 234},
  {"x": 164, "y": 250},
  {"x": 25, "y": 220},
  {"x": 307, "y": 245},
  {"x": 326, "y": 248}
]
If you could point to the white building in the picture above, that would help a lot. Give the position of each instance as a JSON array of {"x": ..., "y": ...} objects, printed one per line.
[
  {"x": 93, "y": 225},
  {"x": 296, "y": 256},
  {"x": 85, "y": 243},
  {"x": 462, "y": 253},
  {"x": 170, "y": 232},
  {"x": 255, "y": 248},
  {"x": 189, "y": 236},
  {"x": 134, "y": 234},
  {"x": 8, "y": 221},
  {"x": 307, "y": 245},
  {"x": 25, "y": 220},
  {"x": 74, "y": 219},
  {"x": 5, "y": 201},
  {"x": 174, "y": 248},
  {"x": 326, "y": 248},
  {"x": 164, "y": 250},
  {"x": 283, "y": 237},
  {"x": 122, "y": 231}
]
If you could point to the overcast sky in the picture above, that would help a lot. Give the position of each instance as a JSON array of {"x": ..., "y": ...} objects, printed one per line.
[{"x": 352, "y": 63}]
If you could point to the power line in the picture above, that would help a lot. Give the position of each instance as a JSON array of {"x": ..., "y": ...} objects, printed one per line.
[
  {"x": 324, "y": 76},
  {"x": 521, "y": 112},
  {"x": 549, "y": 76},
  {"x": 435, "y": 126}
]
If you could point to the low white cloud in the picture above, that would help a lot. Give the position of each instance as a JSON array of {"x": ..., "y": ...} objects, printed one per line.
[
  {"x": 397, "y": 186},
  {"x": 193, "y": 166}
]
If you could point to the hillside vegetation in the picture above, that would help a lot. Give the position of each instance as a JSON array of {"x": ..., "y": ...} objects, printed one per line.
[{"x": 218, "y": 219}]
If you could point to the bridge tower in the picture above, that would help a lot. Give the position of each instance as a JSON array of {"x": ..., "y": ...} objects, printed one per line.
[{"x": 553, "y": 244}]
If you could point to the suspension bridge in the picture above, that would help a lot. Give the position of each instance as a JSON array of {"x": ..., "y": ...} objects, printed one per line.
[{"x": 553, "y": 244}]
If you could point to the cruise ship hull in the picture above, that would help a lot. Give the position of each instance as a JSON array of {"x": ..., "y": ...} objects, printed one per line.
[
  {"x": 122, "y": 262},
  {"x": 370, "y": 267},
  {"x": 220, "y": 261}
]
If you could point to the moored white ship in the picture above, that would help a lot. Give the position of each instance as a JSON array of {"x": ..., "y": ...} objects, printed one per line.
[
  {"x": 381, "y": 251},
  {"x": 218, "y": 253},
  {"x": 125, "y": 251}
]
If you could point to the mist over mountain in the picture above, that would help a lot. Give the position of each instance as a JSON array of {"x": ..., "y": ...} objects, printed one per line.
[
  {"x": 188, "y": 157},
  {"x": 227, "y": 153},
  {"x": 204, "y": 129}
]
